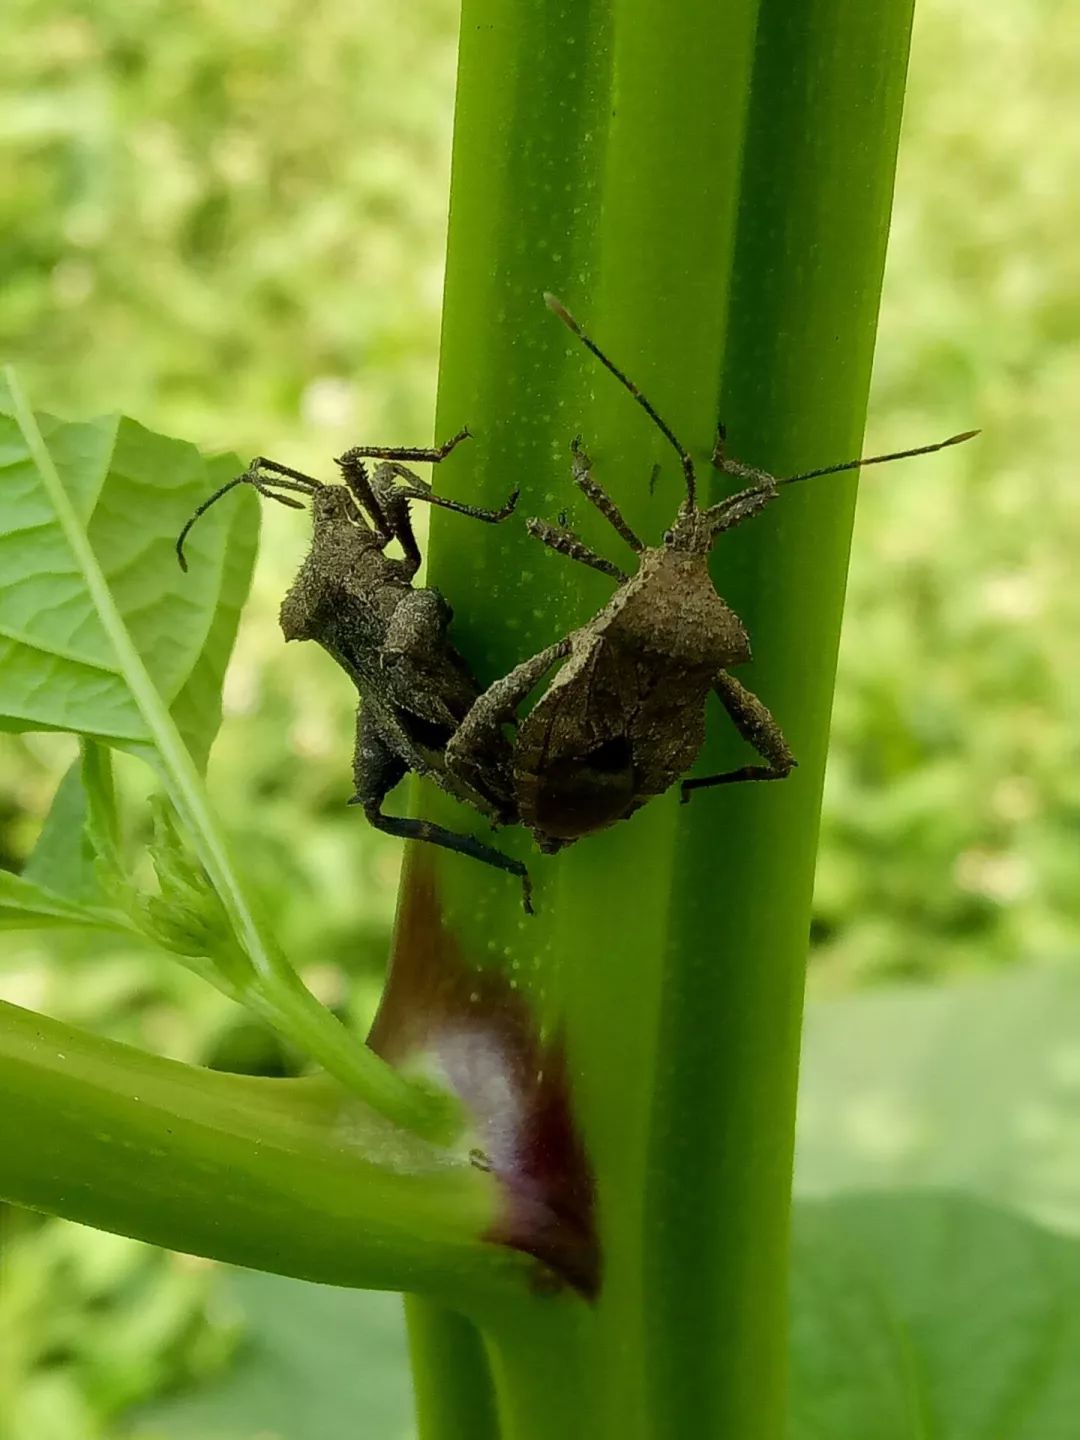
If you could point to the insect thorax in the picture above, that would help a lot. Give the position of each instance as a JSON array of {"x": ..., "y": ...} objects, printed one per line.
[{"x": 671, "y": 610}]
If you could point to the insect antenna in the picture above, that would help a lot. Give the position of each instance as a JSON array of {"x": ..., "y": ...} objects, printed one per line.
[
  {"x": 879, "y": 459},
  {"x": 558, "y": 308},
  {"x": 287, "y": 480}
]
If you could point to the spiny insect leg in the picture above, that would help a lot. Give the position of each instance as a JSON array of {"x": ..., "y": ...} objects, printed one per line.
[
  {"x": 581, "y": 466},
  {"x": 377, "y": 770},
  {"x": 418, "y": 489},
  {"x": 394, "y": 505},
  {"x": 355, "y": 475},
  {"x": 499, "y": 701},
  {"x": 425, "y": 454},
  {"x": 480, "y": 736},
  {"x": 736, "y": 508},
  {"x": 478, "y": 512},
  {"x": 567, "y": 543},
  {"x": 755, "y": 724}
]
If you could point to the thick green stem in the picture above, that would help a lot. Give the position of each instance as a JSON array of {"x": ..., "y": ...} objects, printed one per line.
[
  {"x": 707, "y": 188},
  {"x": 814, "y": 209},
  {"x": 291, "y": 1176},
  {"x": 544, "y": 1383},
  {"x": 452, "y": 1385}
]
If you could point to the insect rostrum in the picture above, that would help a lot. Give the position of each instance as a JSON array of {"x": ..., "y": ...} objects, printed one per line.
[
  {"x": 624, "y": 717},
  {"x": 390, "y": 637}
]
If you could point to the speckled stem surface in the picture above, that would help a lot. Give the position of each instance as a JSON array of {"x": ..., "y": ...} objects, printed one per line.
[{"x": 707, "y": 186}]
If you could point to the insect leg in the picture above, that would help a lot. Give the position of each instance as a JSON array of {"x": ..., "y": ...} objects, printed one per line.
[
  {"x": 722, "y": 462},
  {"x": 377, "y": 770},
  {"x": 355, "y": 475},
  {"x": 736, "y": 508},
  {"x": 556, "y": 537},
  {"x": 426, "y": 454},
  {"x": 390, "y": 503},
  {"x": 478, "y": 751},
  {"x": 394, "y": 508},
  {"x": 418, "y": 489},
  {"x": 756, "y": 725},
  {"x": 581, "y": 467},
  {"x": 716, "y": 460}
]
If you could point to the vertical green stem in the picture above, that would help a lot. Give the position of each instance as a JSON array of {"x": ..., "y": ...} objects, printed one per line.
[
  {"x": 451, "y": 1380},
  {"x": 814, "y": 208},
  {"x": 707, "y": 187}
]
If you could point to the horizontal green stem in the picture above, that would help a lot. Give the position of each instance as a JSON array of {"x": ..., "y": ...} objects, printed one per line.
[{"x": 293, "y": 1176}]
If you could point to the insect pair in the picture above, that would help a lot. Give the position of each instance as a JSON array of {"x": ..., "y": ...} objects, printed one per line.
[{"x": 622, "y": 719}]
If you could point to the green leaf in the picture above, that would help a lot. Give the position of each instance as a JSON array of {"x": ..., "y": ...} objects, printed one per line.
[
  {"x": 912, "y": 1317},
  {"x": 131, "y": 491},
  {"x": 80, "y": 655},
  {"x": 63, "y": 859},
  {"x": 79, "y": 834},
  {"x": 932, "y": 1316},
  {"x": 24, "y": 906},
  {"x": 316, "y": 1363},
  {"x": 942, "y": 1087}
]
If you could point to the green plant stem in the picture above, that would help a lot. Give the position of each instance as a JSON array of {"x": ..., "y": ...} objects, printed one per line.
[
  {"x": 707, "y": 187},
  {"x": 814, "y": 209},
  {"x": 277, "y": 993},
  {"x": 294, "y": 1176},
  {"x": 544, "y": 1380},
  {"x": 452, "y": 1381}
]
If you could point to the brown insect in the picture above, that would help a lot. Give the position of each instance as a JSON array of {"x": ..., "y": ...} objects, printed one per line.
[
  {"x": 624, "y": 717},
  {"x": 389, "y": 636}
]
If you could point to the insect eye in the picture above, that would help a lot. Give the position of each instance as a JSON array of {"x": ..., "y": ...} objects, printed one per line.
[{"x": 669, "y": 537}]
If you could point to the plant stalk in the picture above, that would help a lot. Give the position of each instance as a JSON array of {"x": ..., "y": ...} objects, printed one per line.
[
  {"x": 707, "y": 187},
  {"x": 293, "y": 1176}
]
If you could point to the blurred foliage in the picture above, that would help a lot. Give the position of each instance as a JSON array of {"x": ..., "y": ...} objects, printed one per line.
[
  {"x": 183, "y": 213},
  {"x": 902, "y": 1329},
  {"x": 298, "y": 1377},
  {"x": 972, "y": 1086},
  {"x": 953, "y": 796},
  {"x": 228, "y": 221},
  {"x": 92, "y": 1324}
]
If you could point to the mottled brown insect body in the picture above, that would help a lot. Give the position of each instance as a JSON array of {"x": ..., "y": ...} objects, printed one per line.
[
  {"x": 389, "y": 637},
  {"x": 644, "y": 668},
  {"x": 624, "y": 717}
]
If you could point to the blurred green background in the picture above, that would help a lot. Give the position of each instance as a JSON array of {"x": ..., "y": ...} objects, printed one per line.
[{"x": 228, "y": 222}]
